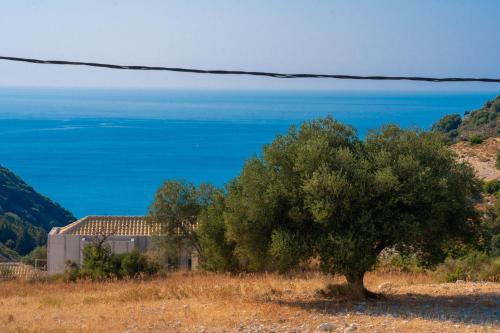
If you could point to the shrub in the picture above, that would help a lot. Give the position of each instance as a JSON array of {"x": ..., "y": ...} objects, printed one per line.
[
  {"x": 497, "y": 163},
  {"x": 71, "y": 272},
  {"x": 476, "y": 140},
  {"x": 494, "y": 248},
  {"x": 135, "y": 263},
  {"x": 39, "y": 253},
  {"x": 100, "y": 263},
  {"x": 475, "y": 266},
  {"x": 492, "y": 186}
]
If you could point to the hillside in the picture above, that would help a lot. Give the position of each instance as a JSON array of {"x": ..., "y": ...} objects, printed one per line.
[
  {"x": 483, "y": 122},
  {"x": 481, "y": 156},
  {"x": 25, "y": 216}
]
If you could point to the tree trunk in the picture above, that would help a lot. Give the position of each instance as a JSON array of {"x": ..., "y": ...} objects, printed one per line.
[{"x": 356, "y": 286}]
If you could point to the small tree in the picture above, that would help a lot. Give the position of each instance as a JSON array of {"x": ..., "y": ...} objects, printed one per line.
[
  {"x": 217, "y": 250},
  {"x": 99, "y": 262},
  {"x": 175, "y": 212},
  {"x": 38, "y": 253}
]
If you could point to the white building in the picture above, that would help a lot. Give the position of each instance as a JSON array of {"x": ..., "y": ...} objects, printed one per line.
[{"x": 122, "y": 233}]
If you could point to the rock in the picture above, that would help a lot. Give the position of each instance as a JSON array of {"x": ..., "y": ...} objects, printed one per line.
[
  {"x": 326, "y": 327},
  {"x": 384, "y": 286}
]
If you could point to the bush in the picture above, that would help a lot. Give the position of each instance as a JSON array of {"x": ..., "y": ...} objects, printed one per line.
[
  {"x": 494, "y": 246},
  {"x": 497, "y": 163},
  {"x": 492, "y": 186},
  {"x": 476, "y": 140},
  {"x": 135, "y": 263},
  {"x": 71, "y": 272},
  {"x": 475, "y": 266},
  {"x": 100, "y": 263},
  {"x": 39, "y": 253}
]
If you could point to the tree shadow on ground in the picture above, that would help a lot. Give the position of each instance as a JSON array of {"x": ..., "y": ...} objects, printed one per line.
[{"x": 478, "y": 308}]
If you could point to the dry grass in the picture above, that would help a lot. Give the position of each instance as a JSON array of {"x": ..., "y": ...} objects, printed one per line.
[
  {"x": 252, "y": 303},
  {"x": 482, "y": 157}
]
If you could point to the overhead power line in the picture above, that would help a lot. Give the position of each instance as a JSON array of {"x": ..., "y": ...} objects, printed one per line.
[{"x": 254, "y": 73}]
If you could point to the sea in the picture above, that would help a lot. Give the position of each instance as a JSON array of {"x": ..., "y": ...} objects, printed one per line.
[{"x": 106, "y": 151}]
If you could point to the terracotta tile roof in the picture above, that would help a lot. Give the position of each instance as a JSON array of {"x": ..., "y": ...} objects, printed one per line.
[
  {"x": 109, "y": 225},
  {"x": 16, "y": 270}
]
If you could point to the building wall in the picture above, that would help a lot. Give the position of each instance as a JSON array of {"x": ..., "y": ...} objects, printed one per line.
[{"x": 63, "y": 247}]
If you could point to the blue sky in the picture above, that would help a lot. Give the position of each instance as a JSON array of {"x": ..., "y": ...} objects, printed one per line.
[{"x": 430, "y": 38}]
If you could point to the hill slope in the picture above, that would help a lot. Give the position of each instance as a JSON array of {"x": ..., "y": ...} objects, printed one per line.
[
  {"x": 25, "y": 216},
  {"x": 482, "y": 157},
  {"x": 483, "y": 122}
]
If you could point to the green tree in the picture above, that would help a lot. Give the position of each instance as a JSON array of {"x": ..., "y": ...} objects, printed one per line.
[
  {"x": 25, "y": 242},
  {"x": 175, "y": 212},
  {"x": 217, "y": 250},
  {"x": 448, "y": 125},
  {"x": 39, "y": 253},
  {"x": 99, "y": 262},
  {"x": 323, "y": 190}
]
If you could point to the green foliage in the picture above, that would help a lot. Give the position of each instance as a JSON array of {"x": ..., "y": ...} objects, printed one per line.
[
  {"x": 476, "y": 140},
  {"x": 494, "y": 245},
  {"x": 25, "y": 215},
  {"x": 475, "y": 266},
  {"x": 448, "y": 125},
  {"x": 38, "y": 253},
  {"x": 482, "y": 122},
  {"x": 19, "y": 198},
  {"x": 7, "y": 254},
  {"x": 19, "y": 235},
  {"x": 491, "y": 230},
  {"x": 175, "y": 212},
  {"x": 491, "y": 186},
  {"x": 217, "y": 250},
  {"x": 71, "y": 272},
  {"x": 497, "y": 161},
  {"x": 285, "y": 250},
  {"x": 135, "y": 263},
  {"x": 321, "y": 188},
  {"x": 100, "y": 263}
]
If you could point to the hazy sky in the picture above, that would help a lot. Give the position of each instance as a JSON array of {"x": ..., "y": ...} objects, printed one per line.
[{"x": 431, "y": 38}]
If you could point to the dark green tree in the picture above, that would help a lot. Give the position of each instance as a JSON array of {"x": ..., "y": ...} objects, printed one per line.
[
  {"x": 448, "y": 125},
  {"x": 324, "y": 191},
  {"x": 38, "y": 257},
  {"x": 174, "y": 213},
  {"x": 217, "y": 250},
  {"x": 24, "y": 242}
]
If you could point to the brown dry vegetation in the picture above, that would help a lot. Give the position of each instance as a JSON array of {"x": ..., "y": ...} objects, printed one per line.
[
  {"x": 482, "y": 157},
  {"x": 203, "y": 302}
]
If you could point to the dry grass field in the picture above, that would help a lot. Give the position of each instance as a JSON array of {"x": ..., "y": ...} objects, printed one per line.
[{"x": 200, "y": 302}]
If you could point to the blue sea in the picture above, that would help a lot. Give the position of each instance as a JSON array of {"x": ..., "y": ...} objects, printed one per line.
[{"x": 107, "y": 151}]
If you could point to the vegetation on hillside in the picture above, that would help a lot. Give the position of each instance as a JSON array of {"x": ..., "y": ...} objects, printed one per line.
[
  {"x": 475, "y": 125},
  {"x": 25, "y": 216}
]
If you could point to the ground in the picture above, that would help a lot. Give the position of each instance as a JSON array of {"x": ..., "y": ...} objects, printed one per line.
[
  {"x": 482, "y": 157},
  {"x": 204, "y": 302}
]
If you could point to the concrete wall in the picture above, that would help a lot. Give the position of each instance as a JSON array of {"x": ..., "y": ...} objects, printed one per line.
[{"x": 63, "y": 247}]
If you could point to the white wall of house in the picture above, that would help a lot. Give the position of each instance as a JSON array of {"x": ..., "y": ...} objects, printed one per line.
[{"x": 66, "y": 247}]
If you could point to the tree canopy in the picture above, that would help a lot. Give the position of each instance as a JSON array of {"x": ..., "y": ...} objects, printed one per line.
[{"x": 321, "y": 191}]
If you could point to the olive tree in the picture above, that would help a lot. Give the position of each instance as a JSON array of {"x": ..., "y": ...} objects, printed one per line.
[
  {"x": 174, "y": 213},
  {"x": 324, "y": 191}
]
